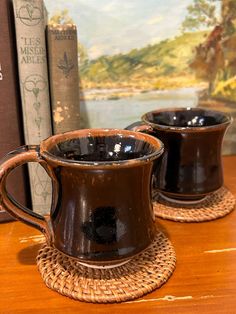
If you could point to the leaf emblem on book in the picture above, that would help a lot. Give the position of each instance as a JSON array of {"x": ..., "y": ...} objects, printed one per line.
[
  {"x": 37, "y": 105},
  {"x": 41, "y": 184},
  {"x": 30, "y": 15},
  {"x": 65, "y": 64},
  {"x": 34, "y": 85},
  {"x": 38, "y": 121}
]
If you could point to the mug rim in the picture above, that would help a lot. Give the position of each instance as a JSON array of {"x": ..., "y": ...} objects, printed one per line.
[
  {"x": 51, "y": 141},
  {"x": 187, "y": 128}
]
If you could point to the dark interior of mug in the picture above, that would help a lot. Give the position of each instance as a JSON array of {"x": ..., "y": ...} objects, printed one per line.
[
  {"x": 186, "y": 117},
  {"x": 102, "y": 148}
]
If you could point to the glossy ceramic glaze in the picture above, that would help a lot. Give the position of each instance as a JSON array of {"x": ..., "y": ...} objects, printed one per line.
[
  {"x": 101, "y": 209},
  {"x": 191, "y": 164}
]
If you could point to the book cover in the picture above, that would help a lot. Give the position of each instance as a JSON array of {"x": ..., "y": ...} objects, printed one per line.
[
  {"x": 33, "y": 77},
  {"x": 63, "y": 76},
  {"x": 11, "y": 127}
]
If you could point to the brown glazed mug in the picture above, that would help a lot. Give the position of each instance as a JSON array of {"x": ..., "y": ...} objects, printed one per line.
[
  {"x": 101, "y": 210},
  {"x": 191, "y": 166}
]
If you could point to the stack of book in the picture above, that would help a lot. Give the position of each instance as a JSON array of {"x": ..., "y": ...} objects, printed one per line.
[{"x": 38, "y": 91}]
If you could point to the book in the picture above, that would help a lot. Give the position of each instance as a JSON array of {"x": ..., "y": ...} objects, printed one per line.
[
  {"x": 63, "y": 76},
  {"x": 30, "y": 24},
  {"x": 11, "y": 126}
]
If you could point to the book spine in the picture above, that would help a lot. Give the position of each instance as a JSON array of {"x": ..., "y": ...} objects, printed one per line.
[
  {"x": 11, "y": 125},
  {"x": 33, "y": 76},
  {"x": 63, "y": 76}
]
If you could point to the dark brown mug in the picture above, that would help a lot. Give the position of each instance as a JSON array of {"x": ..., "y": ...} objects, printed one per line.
[
  {"x": 191, "y": 166},
  {"x": 101, "y": 202}
]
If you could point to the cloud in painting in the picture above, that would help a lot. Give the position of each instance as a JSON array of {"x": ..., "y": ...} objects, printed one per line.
[
  {"x": 100, "y": 49},
  {"x": 113, "y": 6},
  {"x": 112, "y": 26},
  {"x": 155, "y": 20}
]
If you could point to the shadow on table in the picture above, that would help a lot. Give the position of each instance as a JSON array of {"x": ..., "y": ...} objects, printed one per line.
[
  {"x": 28, "y": 255},
  {"x": 161, "y": 228}
]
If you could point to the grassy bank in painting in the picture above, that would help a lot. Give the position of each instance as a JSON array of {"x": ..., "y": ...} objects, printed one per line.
[{"x": 162, "y": 66}]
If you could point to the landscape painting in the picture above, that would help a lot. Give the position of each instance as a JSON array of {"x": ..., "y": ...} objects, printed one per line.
[{"x": 136, "y": 56}]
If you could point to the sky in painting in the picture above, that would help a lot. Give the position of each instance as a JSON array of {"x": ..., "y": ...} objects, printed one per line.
[{"x": 114, "y": 26}]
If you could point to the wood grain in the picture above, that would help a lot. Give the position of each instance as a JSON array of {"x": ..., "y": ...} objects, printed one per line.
[{"x": 204, "y": 280}]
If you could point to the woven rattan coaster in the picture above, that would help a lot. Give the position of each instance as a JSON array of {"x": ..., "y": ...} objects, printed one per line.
[
  {"x": 217, "y": 205},
  {"x": 142, "y": 274}
]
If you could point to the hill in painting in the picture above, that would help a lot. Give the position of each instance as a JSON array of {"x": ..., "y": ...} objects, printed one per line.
[{"x": 160, "y": 66}]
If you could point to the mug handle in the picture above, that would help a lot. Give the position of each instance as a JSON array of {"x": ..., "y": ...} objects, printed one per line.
[
  {"x": 12, "y": 160},
  {"x": 140, "y": 126}
]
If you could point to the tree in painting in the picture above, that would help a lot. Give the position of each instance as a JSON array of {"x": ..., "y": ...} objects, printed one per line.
[
  {"x": 226, "y": 79},
  {"x": 215, "y": 60},
  {"x": 61, "y": 17},
  {"x": 202, "y": 13}
]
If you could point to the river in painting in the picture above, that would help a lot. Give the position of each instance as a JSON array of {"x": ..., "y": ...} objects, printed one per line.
[{"x": 121, "y": 112}]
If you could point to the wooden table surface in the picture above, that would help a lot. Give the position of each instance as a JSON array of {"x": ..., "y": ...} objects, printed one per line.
[{"x": 204, "y": 280}]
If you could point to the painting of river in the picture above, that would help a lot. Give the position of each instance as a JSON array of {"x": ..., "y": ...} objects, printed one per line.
[{"x": 136, "y": 56}]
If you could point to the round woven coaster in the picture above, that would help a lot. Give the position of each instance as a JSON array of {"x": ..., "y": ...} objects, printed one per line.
[
  {"x": 142, "y": 274},
  {"x": 216, "y": 205}
]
